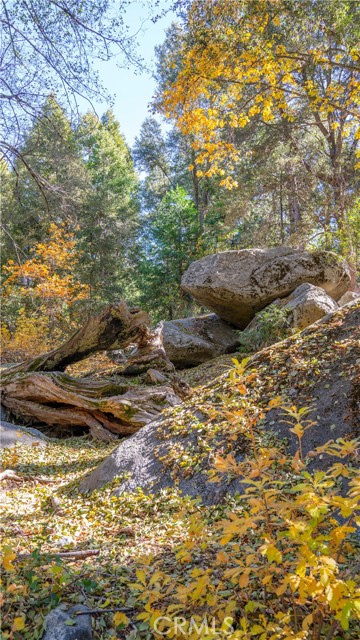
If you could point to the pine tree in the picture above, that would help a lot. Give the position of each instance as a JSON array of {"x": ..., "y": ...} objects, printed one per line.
[
  {"x": 109, "y": 219},
  {"x": 167, "y": 246},
  {"x": 50, "y": 148}
]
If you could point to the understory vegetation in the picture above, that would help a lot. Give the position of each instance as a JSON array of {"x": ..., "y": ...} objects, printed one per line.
[
  {"x": 276, "y": 559},
  {"x": 247, "y": 563}
]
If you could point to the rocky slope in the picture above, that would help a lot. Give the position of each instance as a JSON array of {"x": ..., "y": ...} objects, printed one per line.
[{"x": 319, "y": 368}]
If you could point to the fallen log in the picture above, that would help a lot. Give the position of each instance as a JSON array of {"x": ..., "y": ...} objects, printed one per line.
[
  {"x": 102, "y": 407},
  {"x": 38, "y": 390},
  {"x": 115, "y": 328},
  {"x": 75, "y": 554}
]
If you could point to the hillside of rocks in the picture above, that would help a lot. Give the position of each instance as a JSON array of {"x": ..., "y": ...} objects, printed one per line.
[{"x": 318, "y": 368}]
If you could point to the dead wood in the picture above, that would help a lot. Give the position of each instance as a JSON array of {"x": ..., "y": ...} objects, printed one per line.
[
  {"x": 116, "y": 327},
  {"x": 76, "y": 555},
  {"x": 39, "y": 392},
  {"x": 100, "y": 406},
  {"x": 149, "y": 354},
  {"x": 9, "y": 474}
]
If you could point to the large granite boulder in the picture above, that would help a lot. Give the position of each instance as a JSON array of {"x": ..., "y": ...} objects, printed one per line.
[
  {"x": 238, "y": 284},
  {"x": 307, "y": 304},
  {"x": 192, "y": 341}
]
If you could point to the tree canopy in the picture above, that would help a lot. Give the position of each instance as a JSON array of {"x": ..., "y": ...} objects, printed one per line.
[
  {"x": 37, "y": 38},
  {"x": 278, "y": 60}
]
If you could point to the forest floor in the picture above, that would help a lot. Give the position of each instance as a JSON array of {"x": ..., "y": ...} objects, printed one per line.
[{"x": 45, "y": 515}]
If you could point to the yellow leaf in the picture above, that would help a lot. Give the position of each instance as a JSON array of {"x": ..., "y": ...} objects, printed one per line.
[
  {"x": 271, "y": 552},
  {"x": 120, "y": 618},
  {"x": 157, "y": 575},
  {"x": 298, "y": 430},
  {"x": 275, "y": 402},
  {"x": 18, "y": 624},
  {"x": 105, "y": 604},
  {"x": 244, "y": 578},
  {"x": 143, "y": 616},
  {"x": 141, "y": 576},
  {"x": 307, "y": 621},
  {"x": 256, "y": 629},
  {"x": 222, "y": 558},
  {"x": 9, "y": 556}
]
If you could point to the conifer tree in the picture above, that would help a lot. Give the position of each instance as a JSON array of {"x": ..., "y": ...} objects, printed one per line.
[{"x": 109, "y": 218}]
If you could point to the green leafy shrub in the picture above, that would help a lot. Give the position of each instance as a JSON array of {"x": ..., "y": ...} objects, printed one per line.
[
  {"x": 278, "y": 561},
  {"x": 269, "y": 326}
]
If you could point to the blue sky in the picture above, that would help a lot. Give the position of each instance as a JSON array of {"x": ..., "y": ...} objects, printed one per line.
[{"x": 132, "y": 93}]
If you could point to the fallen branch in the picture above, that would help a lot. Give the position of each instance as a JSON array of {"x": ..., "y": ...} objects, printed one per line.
[
  {"x": 93, "y": 612},
  {"x": 82, "y": 553},
  {"x": 8, "y": 474},
  {"x": 78, "y": 555}
]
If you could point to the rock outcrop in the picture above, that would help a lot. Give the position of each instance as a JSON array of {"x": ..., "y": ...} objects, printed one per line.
[
  {"x": 301, "y": 308},
  {"x": 307, "y": 304},
  {"x": 140, "y": 462},
  {"x": 192, "y": 341},
  {"x": 179, "y": 448},
  {"x": 238, "y": 284},
  {"x": 64, "y": 624}
]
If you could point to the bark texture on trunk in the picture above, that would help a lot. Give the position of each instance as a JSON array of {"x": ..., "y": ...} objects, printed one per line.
[
  {"x": 102, "y": 407},
  {"x": 116, "y": 327},
  {"x": 38, "y": 390}
]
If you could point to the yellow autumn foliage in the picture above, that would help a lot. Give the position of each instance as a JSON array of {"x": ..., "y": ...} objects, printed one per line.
[
  {"x": 40, "y": 294},
  {"x": 237, "y": 62}
]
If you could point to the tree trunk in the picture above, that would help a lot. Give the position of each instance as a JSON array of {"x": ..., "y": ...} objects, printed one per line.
[
  {"x": 35, "y": 393},
  {"x": 101, "y": 407},
  {"x": 115, "y": 328},
  {"x": 294, "y": 207}
]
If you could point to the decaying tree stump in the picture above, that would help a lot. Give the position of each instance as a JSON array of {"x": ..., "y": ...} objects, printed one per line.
[
  {"x": 38, "y": 390},
  {"x": 149, "y": 354}
]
